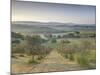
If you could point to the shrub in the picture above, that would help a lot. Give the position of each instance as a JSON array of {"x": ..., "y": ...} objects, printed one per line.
[
  {"x": 59, "y": 36},
  {"x": 66, "y": 55},
  {"x": 13, "y": 56},
  {"x": 32, "y": 61},
  {"x": 21, "y": 55},
  {"x": 17, "y": 35},
  {"x": 77, "y": 32},
  {"x": 71, "y": 57},
  {"x": 40, "y": 57},
  {"x": 71, "y": 35}
]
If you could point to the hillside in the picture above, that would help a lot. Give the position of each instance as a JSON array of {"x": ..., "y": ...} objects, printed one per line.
[{"x": 49, "y": 27}]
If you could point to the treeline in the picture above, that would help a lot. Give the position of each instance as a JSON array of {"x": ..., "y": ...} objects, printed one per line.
[{"x": 74, "y": 34}]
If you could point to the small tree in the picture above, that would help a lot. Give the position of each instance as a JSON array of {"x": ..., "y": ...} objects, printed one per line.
[
  {"x": 33, "y": 45},
  {"x": 71, "y": 35}
]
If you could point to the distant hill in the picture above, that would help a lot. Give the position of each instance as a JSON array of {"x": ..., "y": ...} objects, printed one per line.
[
  {"x": 32, "y": 29},
  {"x": 49, "y": 27}
]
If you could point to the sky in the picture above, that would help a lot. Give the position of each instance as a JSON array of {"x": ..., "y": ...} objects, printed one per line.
[{"x": 53, "y": 12}]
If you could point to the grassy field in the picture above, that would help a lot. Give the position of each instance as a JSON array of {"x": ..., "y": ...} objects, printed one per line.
[{"x": 34, "y": 53}]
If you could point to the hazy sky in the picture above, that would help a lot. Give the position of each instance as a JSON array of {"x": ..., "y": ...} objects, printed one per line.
[{"x": 51, "y": 12}]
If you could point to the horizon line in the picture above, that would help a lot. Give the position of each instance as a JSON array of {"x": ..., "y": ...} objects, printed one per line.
[{"x": 52, "y": 22}]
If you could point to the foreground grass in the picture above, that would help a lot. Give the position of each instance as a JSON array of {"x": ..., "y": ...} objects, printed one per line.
[
  {"x": 86, "y": 59},
  {"x": 80, "y": 50}
]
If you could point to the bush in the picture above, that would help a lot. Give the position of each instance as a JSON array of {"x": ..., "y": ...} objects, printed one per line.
[
  {"x": 66, "y": 55},
  {"x": 71, "y": 57},
  {"x": 40, "y": 57},
  {"x": 13, "y": 56},
  {"x": 77, "y": 32},
  {"x": 21, "y": 55},
  {"x": 17, "y": 35},
  {"x": 32, "y": 61},
  {"x": 59, "y": 36}
]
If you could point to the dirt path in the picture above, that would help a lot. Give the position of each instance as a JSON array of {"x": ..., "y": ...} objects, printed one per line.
[
  {"x": 52, "y": 62},
  {"x": 55, "y": 62}
]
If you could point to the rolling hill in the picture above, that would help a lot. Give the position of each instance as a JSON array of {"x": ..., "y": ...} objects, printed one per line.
[{"x": 49, "y": 27}]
